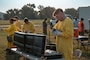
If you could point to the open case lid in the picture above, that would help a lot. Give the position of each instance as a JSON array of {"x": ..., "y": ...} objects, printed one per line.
[
  {"x": 31, "y": 41},
  {"x": 19, "y": 32},
  {"x": 39, "y": 44},
  {"x": 35, "y": 43}
]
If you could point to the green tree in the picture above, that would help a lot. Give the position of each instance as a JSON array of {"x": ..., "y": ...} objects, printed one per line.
[
  {"x": 71, "y": 11},
  {"x": 11, "y": 13},
  {"x": 28, "y": 11},
  {"x": 47, "y": 12}
]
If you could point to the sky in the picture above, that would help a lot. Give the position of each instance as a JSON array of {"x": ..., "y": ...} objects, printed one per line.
[{"x": 5, "y": 5}]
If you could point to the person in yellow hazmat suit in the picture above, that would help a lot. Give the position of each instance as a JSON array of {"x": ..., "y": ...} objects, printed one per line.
[
  {"x": 28, "y": 26},
  {"x": 17, "y": 23},
  {"x": 63, "y": 30},
  {"x": 10, "y": 30}
]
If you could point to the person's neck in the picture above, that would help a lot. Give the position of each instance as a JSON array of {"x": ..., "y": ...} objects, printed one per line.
[{"x": 63, "y": 18}]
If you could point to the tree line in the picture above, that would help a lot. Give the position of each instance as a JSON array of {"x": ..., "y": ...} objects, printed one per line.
[{"x": 29, "y": 11}]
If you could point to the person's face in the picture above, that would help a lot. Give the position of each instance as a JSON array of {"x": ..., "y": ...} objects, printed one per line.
[
  {"x": 11, "y": 22},
  {"x": 26, "y": 22},
  {"x": 59, "y": 16}
]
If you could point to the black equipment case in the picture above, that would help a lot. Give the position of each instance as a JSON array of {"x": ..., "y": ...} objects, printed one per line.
[{"x": 38, "y": 46}]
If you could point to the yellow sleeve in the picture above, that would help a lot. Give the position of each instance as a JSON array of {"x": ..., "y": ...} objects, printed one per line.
[
  {"x": 33, "y": 28},
  {"x": 23, "y": 27},
  {"x": 18, "y": 24},
  {"x": 10, "y": 28},
  {"x": 68, "y": 29},
  {"x": 55, "y": 26}
]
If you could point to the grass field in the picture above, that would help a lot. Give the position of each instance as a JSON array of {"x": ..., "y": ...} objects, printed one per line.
[
  {"x": 6, "y": 22},
  {"x": 3, "y": 41}
]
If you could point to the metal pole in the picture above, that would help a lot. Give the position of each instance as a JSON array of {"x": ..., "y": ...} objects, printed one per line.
[{"x": 89, "y": 31}]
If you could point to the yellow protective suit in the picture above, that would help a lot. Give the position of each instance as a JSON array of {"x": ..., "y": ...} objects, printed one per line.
[
  {"x": 10, "y": 30},
  {"x": 28, "y": 27},
  {"x": 18, "y": 25},
  {"x": 64, "y": 43}
]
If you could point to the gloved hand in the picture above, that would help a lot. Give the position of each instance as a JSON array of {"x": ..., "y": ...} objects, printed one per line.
[{"x": 56, "y": 32}]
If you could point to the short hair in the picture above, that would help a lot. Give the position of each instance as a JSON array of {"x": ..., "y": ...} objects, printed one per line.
[
  {"x": 16, "y": 17},
  {"x": 75, "y": 18},
  {"x": 82, "y": 19},
  {"x": 25, "y": 19},
  {"x": 11, "y": 20},
  {"x": 45, "y": 19},
  {"x": 57, "y": 11}
]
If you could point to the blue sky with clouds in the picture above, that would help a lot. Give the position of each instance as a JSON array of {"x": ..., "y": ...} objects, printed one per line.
[{"x": 11, "y": 4}]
